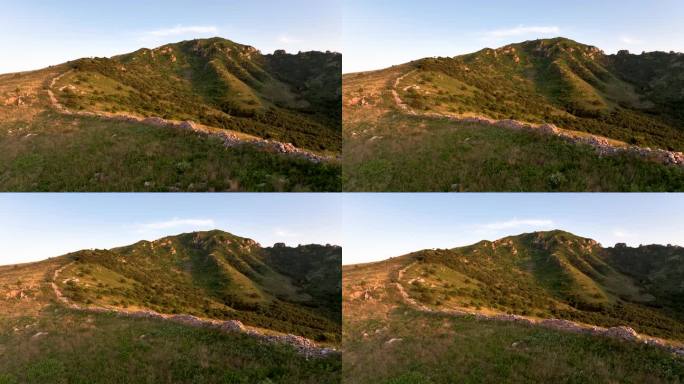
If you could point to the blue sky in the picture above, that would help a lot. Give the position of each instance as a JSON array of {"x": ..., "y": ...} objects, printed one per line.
[
  {"x": 38, "y": 33},
  {"x": 37, "y": 226},
  {"x": 379, "y": 226},
  {"x": 381, "y": 33}
]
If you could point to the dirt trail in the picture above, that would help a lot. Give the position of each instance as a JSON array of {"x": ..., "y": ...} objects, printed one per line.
[
  {"x": 228, "y": 138},
  {"x": 303, "y": 345},
  {"x": 621, "y": 332},
  {"x": 395, "y": 94},
  {"x": 603, "y": 145}
]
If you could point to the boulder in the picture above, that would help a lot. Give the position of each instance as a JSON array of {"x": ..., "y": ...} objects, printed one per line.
[
  {"x": 156, "y": 121},
  {"x": 548, "y": 128},
  {"x": 39, "y": 334},
  {"x": 188, "y": 125},
  {"x": 187, "y": 320},
  {"x": 232, "y": 326},
  {"x": 622, "y": 332}
]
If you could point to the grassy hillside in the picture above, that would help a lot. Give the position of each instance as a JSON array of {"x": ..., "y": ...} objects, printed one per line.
[
  {"x": 386, "y": 341},
  {"x": 394, "y": 142},
  {"x": 75, "y": 347},
  {"x": 396, "y": 152},
  {"x": 316, "y": 268},
  {"x": 215, "y": 275},
  {"x": 551, "y": 275},
  {"x": 41, "y": 341},
  {"x": 65, "y": 153},
  {"x": 438, "y": 349},
  {"x": 228, "y": 86},
  {"x": 290, "y": 98},
  {"x": 559, "y": 81}
]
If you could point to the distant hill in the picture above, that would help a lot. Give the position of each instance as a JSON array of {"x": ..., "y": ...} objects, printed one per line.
[
  {"x": 633, "y": 98},
  {"x": 216, "y": 275},
  {"x": 558, "y": 274},
  {"x": 444, "y": 315},
  {"x": 87, "y": 316},
  {"x": 448, "y": 114},
  {"x": 173, "y": 119},
  {"x": 220, "y": 83}
]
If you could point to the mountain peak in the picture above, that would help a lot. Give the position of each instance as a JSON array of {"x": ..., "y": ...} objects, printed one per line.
[{"x": 557, "y": 46}]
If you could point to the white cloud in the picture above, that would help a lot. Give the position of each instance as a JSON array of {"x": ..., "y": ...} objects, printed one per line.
[
  {"x": 522, "y": 30},
  {"x": 181, "y": 30},
  {"x": 285, "y": 39},
  {"x": 285, "y": 233},
  {"x": 630, "y": 40},
  {"x": 175, "y": 223},
  {"x": 621, "y": 234},
  {"x": 515, "y": 223}
]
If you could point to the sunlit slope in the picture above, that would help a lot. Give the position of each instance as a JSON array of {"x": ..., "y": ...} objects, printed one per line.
[
  {"x": 209, "y": 274},
  {"x": 553, "y": 274},
  {"x": 632, "y": 98},
  {"x": 290, "y": 98}
]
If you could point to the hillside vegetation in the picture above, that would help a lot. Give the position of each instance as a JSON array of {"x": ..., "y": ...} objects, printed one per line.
[
  {"x": 404, "y": 153},
  {"x": 289, "y": 98},
  {"x": 387, "y": 341},
  {"x": 76, "y": 347},
  {"x": 230, "y": 88},
  {"x": 557, "y": 275},
  {"x": 86, "y": 154},
  {"x": 393, "y": 130},
  {"x": 215, "y": 275},
  {"x": 560, "y": 81}
]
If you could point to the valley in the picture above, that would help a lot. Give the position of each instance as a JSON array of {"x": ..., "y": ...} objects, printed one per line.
[{"x": 583, "y": 307}]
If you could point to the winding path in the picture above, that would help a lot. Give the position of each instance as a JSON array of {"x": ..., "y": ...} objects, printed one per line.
[
  {"x": 621, "y": 332},
  {"x": 603, "y": 145},
  {"x": 303, "y": 345}
]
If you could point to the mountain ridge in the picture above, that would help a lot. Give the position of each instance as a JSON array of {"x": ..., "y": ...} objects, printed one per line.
[
  {"x": 559, "y": 81},
  {"x": 216, "y": 82},
  {"x": 554, "y": 274},
  {"x": 215, "y": 275}
]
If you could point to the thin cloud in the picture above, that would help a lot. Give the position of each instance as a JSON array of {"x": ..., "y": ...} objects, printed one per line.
[
  {"x": 631, "y": 41},
  {"x": 620, "y": 234},
  {"x": 284, "y": 39},
  {"x": 175, "y": 223},
  {"x": 515, "y": 223},
  {"x": 522, "y": 30},
  {"x": 285, "y": 233},
  {"x": 182, "y": 30}
]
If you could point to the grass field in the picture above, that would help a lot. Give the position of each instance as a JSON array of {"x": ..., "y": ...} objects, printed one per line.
[
  {"x": 412, "y": 154},
  {"x": 52, "y": 152},
  {"x": 41, "y": 341},
  {"x": 387, "y": 342},
  {"x": 436, "y": 349},
  {"x": 101, "y": 348}
]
